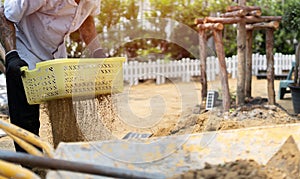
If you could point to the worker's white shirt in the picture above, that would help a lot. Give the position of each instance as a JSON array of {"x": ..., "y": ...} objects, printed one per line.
[{"x": 43, "y": 25}]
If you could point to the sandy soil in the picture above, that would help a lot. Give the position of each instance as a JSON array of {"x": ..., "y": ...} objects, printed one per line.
[
  {"x": 166, "y": 109},
  {"x": 176, "y": 108},
  {"x": 283, "y": 165},
  {"x": 162, "y": 109}
]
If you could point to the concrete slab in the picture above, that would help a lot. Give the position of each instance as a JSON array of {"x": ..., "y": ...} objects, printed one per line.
[{"x": 176, "y": 154}]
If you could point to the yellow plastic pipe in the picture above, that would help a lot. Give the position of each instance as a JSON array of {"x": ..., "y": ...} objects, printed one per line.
[
  {"x": 8, "y": 170},
  {"x": 26, "y": 146},
  {"x": 27, "y": 136}
]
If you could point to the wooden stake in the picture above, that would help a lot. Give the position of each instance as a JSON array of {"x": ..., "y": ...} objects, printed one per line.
[
  {"x": 248, "y": 78},
  {"x": 241, "y": 54},
  {"x": 270, "y": 65},
  {"x": 203, "y": 56},
  {"x": 223, "y": 69}
]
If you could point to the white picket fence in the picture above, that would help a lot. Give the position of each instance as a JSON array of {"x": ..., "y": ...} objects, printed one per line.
[{"x": 159, "y": 70}]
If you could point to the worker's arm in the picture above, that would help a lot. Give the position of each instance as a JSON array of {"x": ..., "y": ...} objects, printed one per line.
[
  {"x": 7, "y": 38},
  {"x": 12, "y": 60},
  {"x": 13, "y": 12},
  {"x": 88, "y": 30},
  {"x": 8, "y": 33},
  {"x": 88, "y": 34}
]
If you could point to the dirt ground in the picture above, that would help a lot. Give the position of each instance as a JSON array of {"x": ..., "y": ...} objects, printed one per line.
[{"x": 176, "y": 108}]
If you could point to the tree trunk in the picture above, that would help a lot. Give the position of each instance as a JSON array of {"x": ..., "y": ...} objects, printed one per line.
[
  {"x": 241, "y": 53},
  {"x": 203, "y": 56},
  {"x": 248, "y": 79},
  {"x": 223, "y": 69},
  {"x": 270, "y": 65}
]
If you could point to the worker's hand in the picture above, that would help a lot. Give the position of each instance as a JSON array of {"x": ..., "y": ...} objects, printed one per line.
[
  {"x": 99, "y": 53},
  {"x": 13, "y": 63}
]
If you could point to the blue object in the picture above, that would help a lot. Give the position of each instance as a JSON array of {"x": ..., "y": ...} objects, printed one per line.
[{"x": 284, "y": 83}]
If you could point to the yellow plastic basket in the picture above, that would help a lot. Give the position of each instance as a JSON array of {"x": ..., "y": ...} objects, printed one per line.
[{"x": 65, "y": 78}]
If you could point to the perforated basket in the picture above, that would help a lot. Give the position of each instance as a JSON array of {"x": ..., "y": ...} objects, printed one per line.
[{"x": 65, "y": 78}]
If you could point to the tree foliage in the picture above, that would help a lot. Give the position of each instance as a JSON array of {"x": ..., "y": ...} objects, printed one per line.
[
  {"x": 125, "y": 29},
  {"x": 184, "y": 12},
  {"x": 283, "y": 39},
  {"x": 291, "y": 17},
  {"x": 291, "y": 20}
]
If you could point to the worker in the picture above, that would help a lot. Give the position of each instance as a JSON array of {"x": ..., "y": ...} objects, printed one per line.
[{"x": 33, "y": 31}]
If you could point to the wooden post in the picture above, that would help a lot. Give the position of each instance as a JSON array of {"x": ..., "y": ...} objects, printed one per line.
[
  {"x": 223, "y": 70},
  {"x": 250, "y": 21},
  {"x": 241, "y": 45},
  {"x": 270, "y": 64},
  {"x": 248, "y": 79},
  {"x": 203, "y": 56}
]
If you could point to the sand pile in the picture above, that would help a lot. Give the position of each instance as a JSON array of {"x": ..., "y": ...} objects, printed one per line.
[
  {"x": 283, "y": 165},
  {"x": 258, "y": 113},
  {"x": 239, "y": 169}
]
